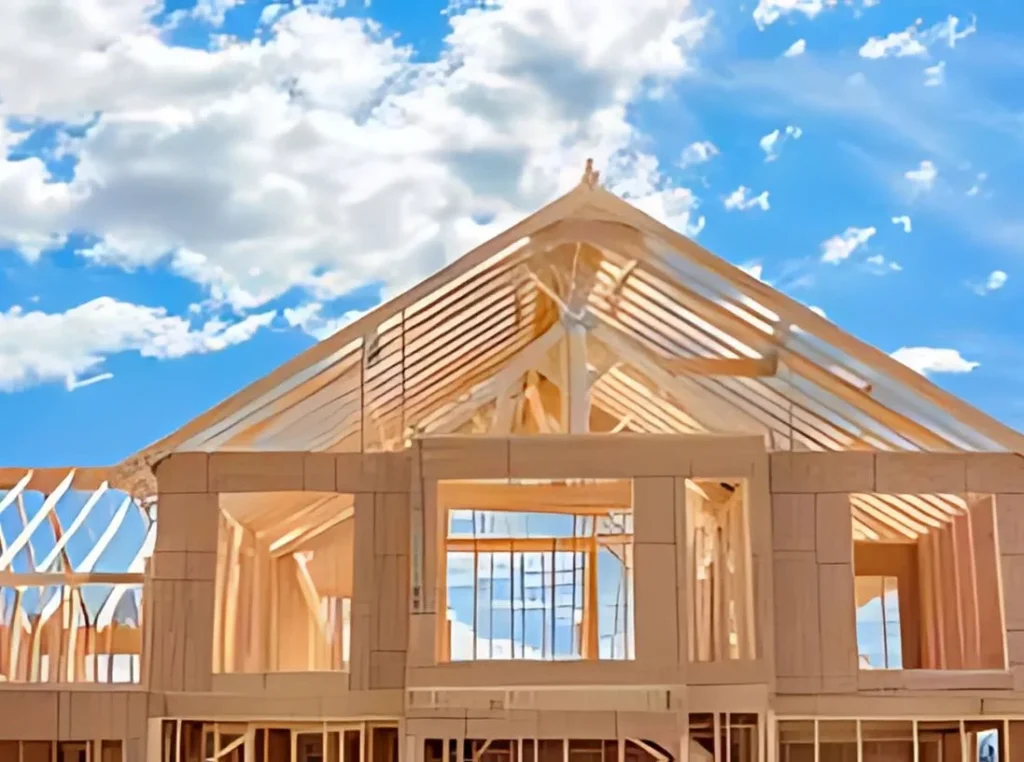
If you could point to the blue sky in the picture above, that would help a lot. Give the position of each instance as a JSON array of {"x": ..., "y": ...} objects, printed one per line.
[{"x": 190, "y": 194}]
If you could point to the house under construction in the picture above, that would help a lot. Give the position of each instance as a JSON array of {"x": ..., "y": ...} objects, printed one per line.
[{"x": 588, "y": 494}]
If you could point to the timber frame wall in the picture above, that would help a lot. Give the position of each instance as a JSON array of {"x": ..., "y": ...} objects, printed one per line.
[{"x": 805, "y": 663}]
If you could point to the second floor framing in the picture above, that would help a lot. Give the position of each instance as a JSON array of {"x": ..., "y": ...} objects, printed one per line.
[{"x": 505, "y": 563}]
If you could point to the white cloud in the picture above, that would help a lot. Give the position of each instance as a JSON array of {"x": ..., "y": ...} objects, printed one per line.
[
  {"x": 947, "y": 30},
  {"x": 879, "y": 265},
  {"x": 975, "y": 189},
  {"x": 915, "y": 41},
  {"x": 322, "y": 156},
  {"x": 698, "y": 153},
  {"x": 741, "y": 200},
  {"x": 905, "y": 221},
  {"x": 926, "y": 360},
  {"x": 753, "y": 269},
  {"x": 209, "y": 11},
  {"x": 71, "y": 383},
  {"x": 798, "y": 48},
  {"x": 935, "y": 75},
  {"x": 308, "y": 317},
  {"x": 898, "y": 44},
  {"x": 772, "y": 143},
  {"x": 39, "y": 347},
  {"x": 840, "y": 247},
  {"x": 995, "y": 281},
  {"x": 768, "y": 12},
  {"x": 922, "y": 178}
]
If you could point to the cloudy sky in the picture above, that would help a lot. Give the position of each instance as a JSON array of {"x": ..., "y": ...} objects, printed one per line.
[{"x": 192, "y": 191}]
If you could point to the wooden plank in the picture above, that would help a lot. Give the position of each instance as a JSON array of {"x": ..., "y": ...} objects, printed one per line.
[
  {"x": 833, "y": 529},
  {"x": 967, "y": 591},
  {"x": 559, "y": 456},
  {"x": 822, "y": 472},
  {"x": 744, "y": 367},
  {"x": 793, "y": 522},
  {"x": 319, "y": 472},
  {"x": 464, "y": 457},
  {"x": 256, "y": 472},
  {"x": 182, "y": 472},
  {"x": 654, "y": 509},
  {"x": 992, "y": 645},
  {"x": 1010, "y": 516},
  {"x": 1013, "y": 584},
  {"x": 989, "y": 472},
  {"x": 391, "y": 524},
  {"x": 656, "y": 613},
  {"x": 198, "y": 646},
  {"x": 797, "y": 645},
  {"x": 837, "y": 617},
  {"x": 920, "y": 472},
  {"x": 392, "y": 604}
]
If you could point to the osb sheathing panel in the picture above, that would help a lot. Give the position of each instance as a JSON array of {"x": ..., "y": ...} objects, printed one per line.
[
  {"x": 227, "y": 472},
  {"x": 80, "y": 714},
  {"x": 527, "y": 674},
  {"x": 206, "y": 706},
  {"x": 656, "y": 572},
  {"x": 821, "y": 472},
  {"x": 920, "y": 472},
  {"x": 585, "y": 456}
]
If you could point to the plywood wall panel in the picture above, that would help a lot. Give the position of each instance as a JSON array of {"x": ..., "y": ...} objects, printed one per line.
[
  {"x": 391, "y": 523},
  {"x": 654, "y": 509},
  {"x": 198, "y": 656},
  {"x": 989, "y": 472},
  {"x": 1010, "y": 515},
  {"x": 392, "y": 603},
  {"x": 838, "y": 625},
  {"x": 821, "y": 472},
  {"x": 793, "y": 522},
  {"x": 656, "y": 614},
  {"x": 182, "y": 472},
  {"x": 256, "y": 472},
  {"x": 833, "y": 529},
  {"x": 363, "y": 570},
  {"x": 797, "y": 640},
  {"x": 920, "y": 472}
]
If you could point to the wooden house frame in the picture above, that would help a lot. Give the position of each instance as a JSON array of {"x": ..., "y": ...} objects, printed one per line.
[{"x": 339, "y": 562}]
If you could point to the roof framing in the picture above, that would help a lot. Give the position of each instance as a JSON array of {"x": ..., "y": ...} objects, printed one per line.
[{"x": 589, "y": 315}]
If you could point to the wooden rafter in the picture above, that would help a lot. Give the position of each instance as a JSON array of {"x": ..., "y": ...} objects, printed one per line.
[{"x": 709, "y": 349}]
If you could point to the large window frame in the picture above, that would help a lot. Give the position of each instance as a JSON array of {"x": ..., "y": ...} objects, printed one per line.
[{"x": 550, "y": 583}]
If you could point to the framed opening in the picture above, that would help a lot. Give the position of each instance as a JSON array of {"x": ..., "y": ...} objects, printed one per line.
[
  {"x": 284, "y": 582},
  {"x": 927, "y": 582},
  {"x": 537, "y": 570},
  {"x": 720, "y": 594}
]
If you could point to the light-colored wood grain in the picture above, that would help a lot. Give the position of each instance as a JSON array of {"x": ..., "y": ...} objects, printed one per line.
[
  {"x": 793, "y": 522},
  {"x": 920, "y": 472},
  {"x": 654, "y": 508},
  {"x": 822, "y": 472},
  {"x": 837, "y": 620},
  {"x": 797, "y": 639},
  {"x": 833, "y": 529}
]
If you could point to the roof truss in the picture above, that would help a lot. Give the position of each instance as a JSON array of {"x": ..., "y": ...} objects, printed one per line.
[{"x": 591, "y": 316}]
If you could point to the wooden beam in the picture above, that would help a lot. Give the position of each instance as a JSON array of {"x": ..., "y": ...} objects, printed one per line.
[
  {"x": 745, "y": 367},
  {"x": 578, "y": 381},
  {"x": 586, "y": 499}
]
